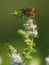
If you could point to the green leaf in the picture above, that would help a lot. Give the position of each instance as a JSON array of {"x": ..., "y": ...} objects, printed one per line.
[
  {"x": 34, "y": 50},
  {"x": 26, "y": 49},
  {"x": 29, "y": 57},
  {"x": 33, "y": 44},
  {"x": 24, "y": 54},
  {"x": 21, "y": 32},
  {"x": 15, "y": 13}
]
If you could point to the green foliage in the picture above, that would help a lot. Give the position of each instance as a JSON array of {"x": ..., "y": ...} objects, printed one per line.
[
  {"x": 10, "y": 48},
  {"x": 22, "y": 32}
]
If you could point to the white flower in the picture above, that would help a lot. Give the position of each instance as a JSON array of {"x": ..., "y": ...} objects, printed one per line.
[
  {"x": 14, "y": 51},
  {"x": 35, "y": 33},
  {"x": 34, "y": 26},
  {"x": 30, "y": 20},
  {"x": 15, "y": 58},
  {"x": 25, "y": 24},
  {"x": 27, "y": 33},
  {"x": 47, "y": 59}
]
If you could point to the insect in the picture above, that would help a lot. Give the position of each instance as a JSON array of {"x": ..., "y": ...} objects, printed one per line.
[{"x": 29, "y": 12}]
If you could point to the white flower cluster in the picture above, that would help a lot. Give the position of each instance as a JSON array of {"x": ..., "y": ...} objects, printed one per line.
[
  {"x": 15, "y": 58},
  {"x": 47, "y": 60},
  {"x": 31, "y": 28}
]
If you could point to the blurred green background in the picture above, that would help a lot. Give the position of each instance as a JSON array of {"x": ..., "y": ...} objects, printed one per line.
[{"x": 9, "y": 26}]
